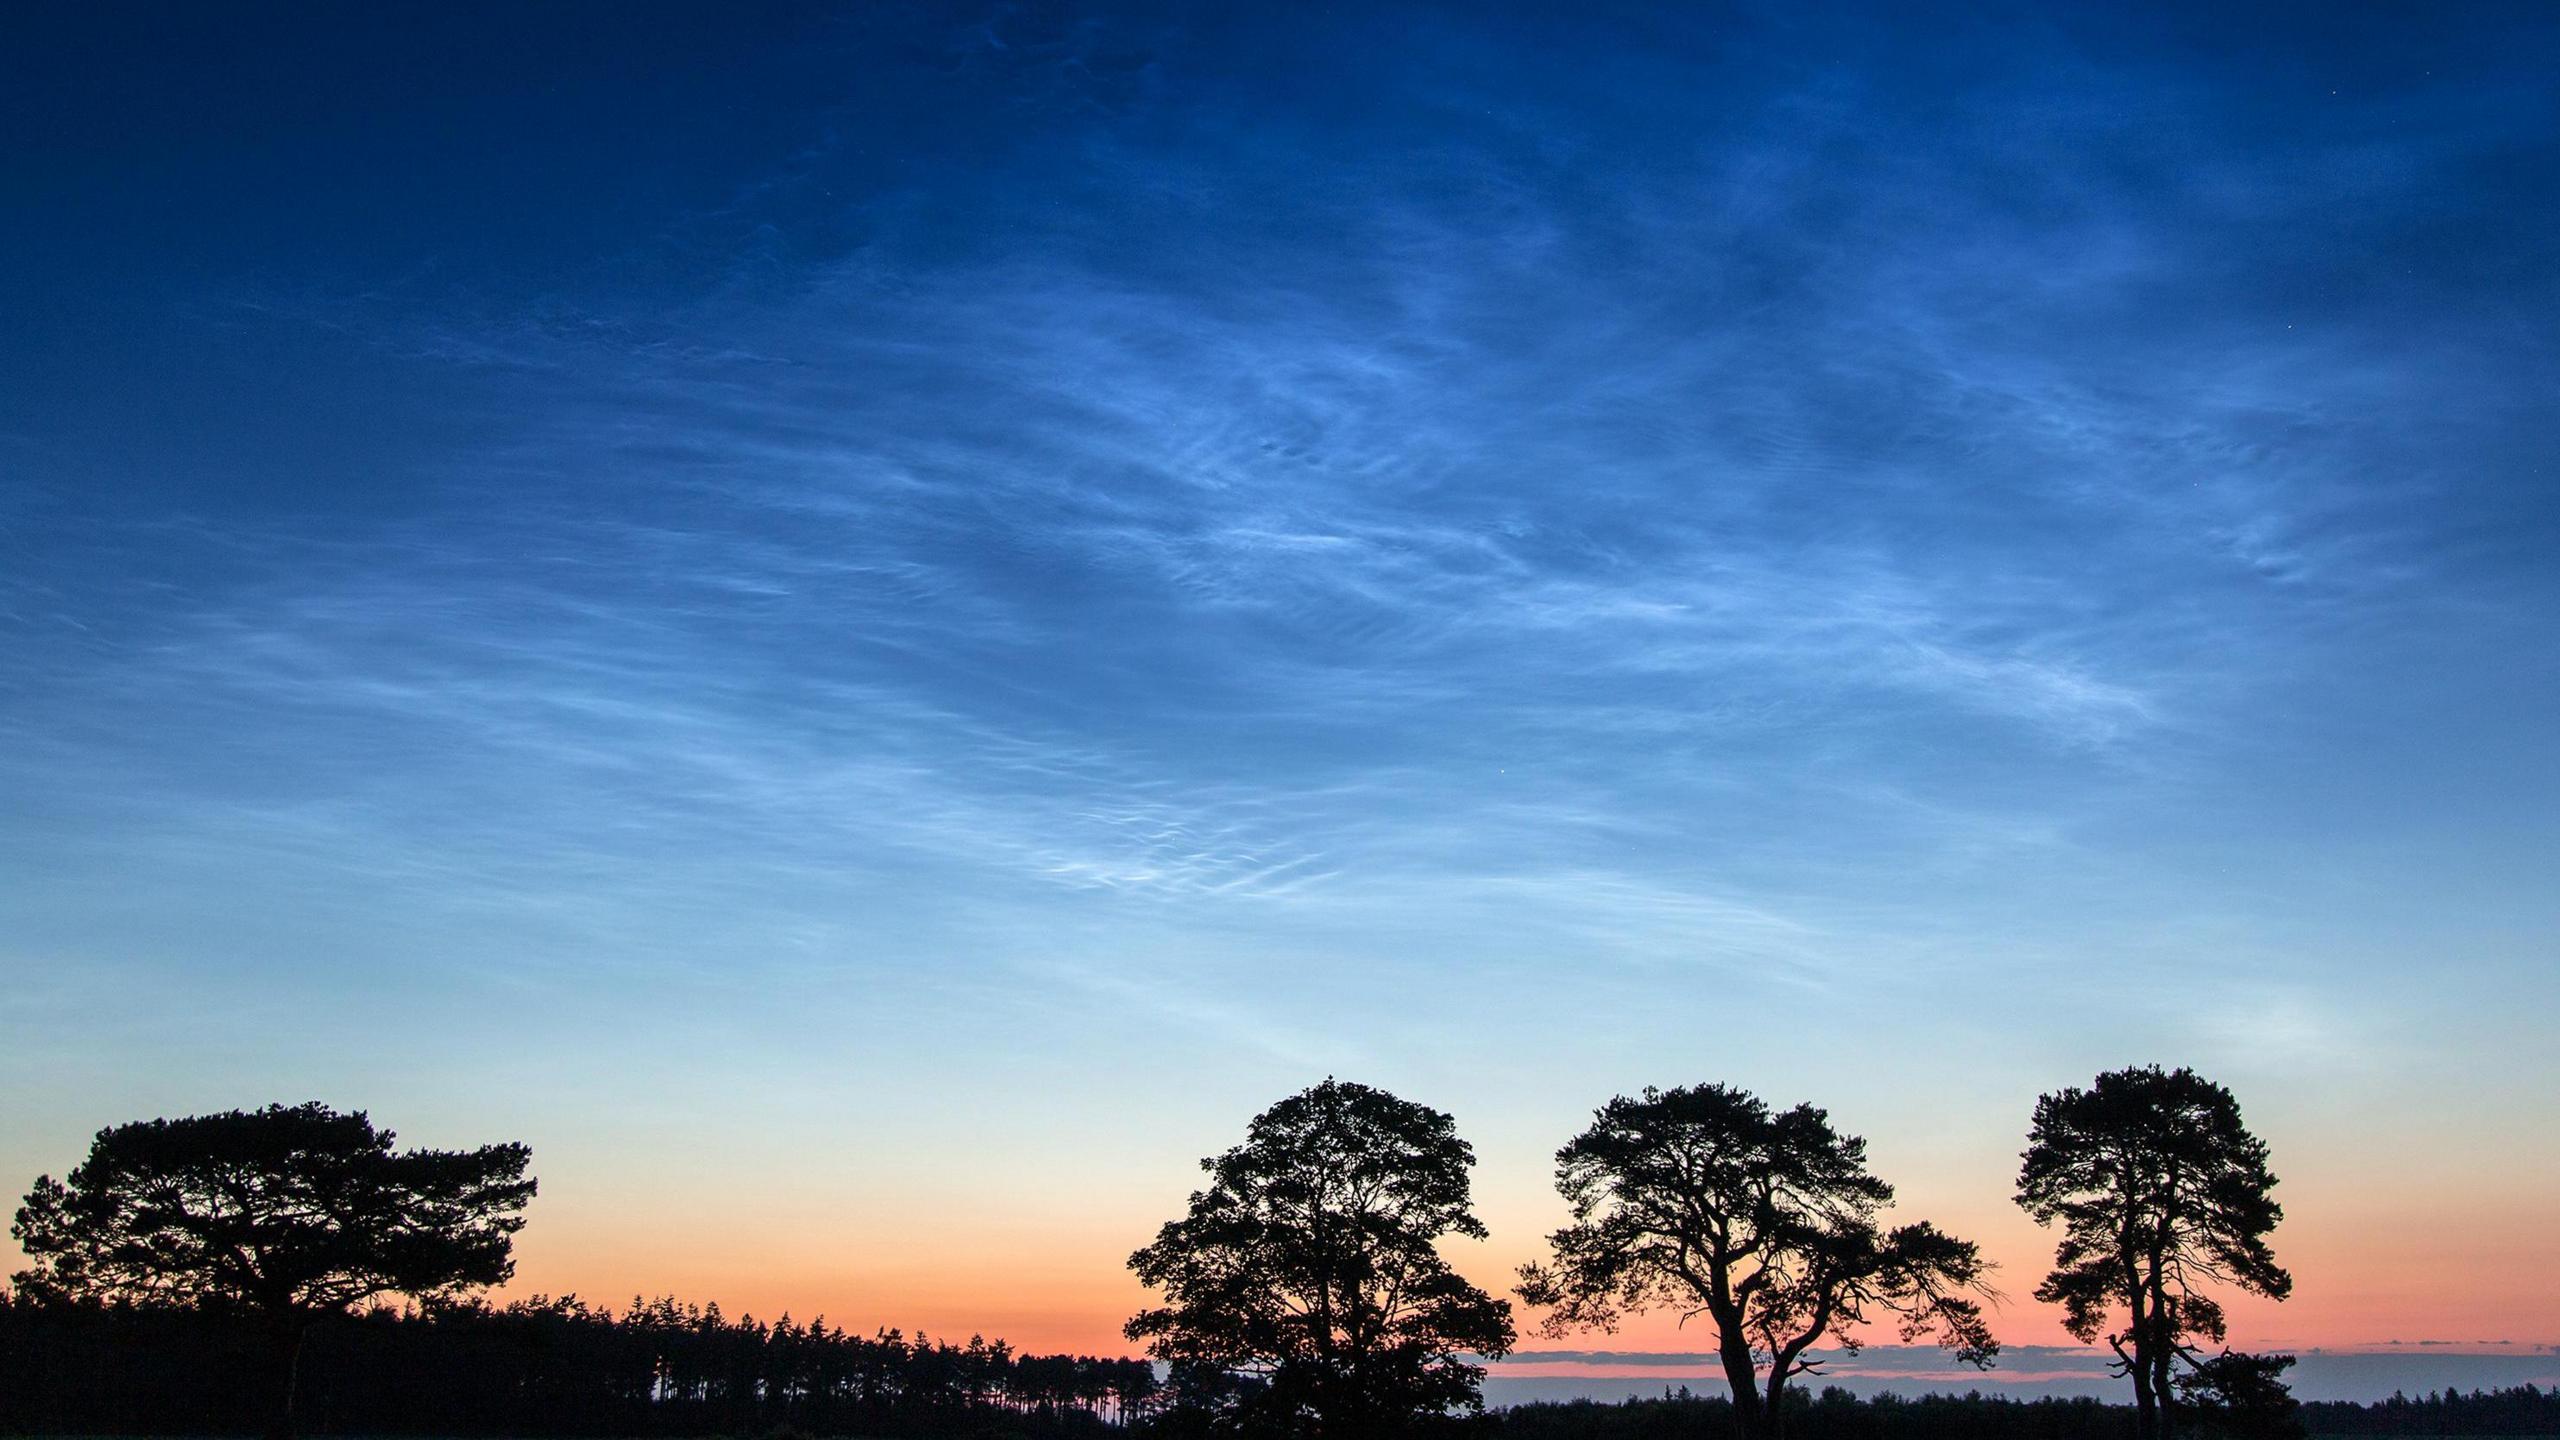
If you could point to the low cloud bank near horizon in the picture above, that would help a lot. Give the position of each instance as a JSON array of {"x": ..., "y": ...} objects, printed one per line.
[{"x": 2024, "y": 1371}]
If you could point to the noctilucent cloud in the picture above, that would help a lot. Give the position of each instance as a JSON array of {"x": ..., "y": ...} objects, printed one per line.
[{"x": 871, "y": 626}]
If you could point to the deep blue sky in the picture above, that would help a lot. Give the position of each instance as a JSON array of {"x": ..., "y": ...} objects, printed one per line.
[{"x": 995, "y": 587}]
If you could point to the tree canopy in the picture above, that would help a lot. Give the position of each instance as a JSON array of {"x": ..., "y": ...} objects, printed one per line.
[
  {"x": 1703, "y": 1200},
  {"x": 2236, "y": 1396},
  {"x": 2161, "y": 1192},
  {"x": 1307, "y": 1271},
  {"x": 288, "y": 1214}
]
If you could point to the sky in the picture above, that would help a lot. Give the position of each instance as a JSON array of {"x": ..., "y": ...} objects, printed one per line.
[{"x": 872, "y": 625}]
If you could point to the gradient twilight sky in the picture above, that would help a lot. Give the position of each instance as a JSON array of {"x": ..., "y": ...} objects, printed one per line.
[{"x": 871, "y": 626}]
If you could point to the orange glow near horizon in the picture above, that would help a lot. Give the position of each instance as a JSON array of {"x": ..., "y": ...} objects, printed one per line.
[{"x": 1064, "y": 1289}]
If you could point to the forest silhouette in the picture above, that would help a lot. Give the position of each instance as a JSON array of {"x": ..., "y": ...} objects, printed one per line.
[{"x": 289, "y": 1270}]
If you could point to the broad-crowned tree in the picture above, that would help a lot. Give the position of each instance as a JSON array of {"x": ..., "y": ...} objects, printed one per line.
[
  {"x": 1703, "y": 1200},
  {"x": 287, "y": 1214},
  {"x": 1308, "y": 1270},
  {"x": 2162, "y": 1193}
]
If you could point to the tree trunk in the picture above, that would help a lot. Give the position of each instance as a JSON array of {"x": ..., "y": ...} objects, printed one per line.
[
  {"x": 2162, "y": 1389},
  {"x": 2146, "y": 1403},
  {"x": 1741, "y": 1377},
  {"x": 285, "y": 1355},
  {"x": 2162, "y": 1349}
]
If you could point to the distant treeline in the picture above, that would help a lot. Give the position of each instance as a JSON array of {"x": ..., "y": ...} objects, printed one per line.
[
  {"x": 539, "y": 1367},
  {"x": 1835, "y": 1414},
  {"x": 544, "y": 1367},
  {"x": 2523, "y": 1410}
]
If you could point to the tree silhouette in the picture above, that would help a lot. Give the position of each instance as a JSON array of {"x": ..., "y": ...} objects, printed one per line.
[
  {"x": 1703, "y": 1200},
  {"x": 285, "y": 1214},
  {"x": 1307, "y": 1271},
  {"x": 2242, "y": 1397},
  {"x": 2161, "y": 1190}
]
